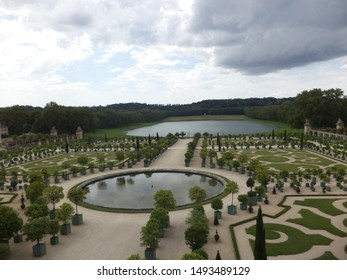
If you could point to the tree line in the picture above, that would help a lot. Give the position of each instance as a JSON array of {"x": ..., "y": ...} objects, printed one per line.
[
  {"x": 322, "y": 107},
  {"x": 28, "y": 119}
]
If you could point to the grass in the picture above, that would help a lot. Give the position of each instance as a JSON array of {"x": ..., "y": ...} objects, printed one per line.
[
  {"x": 327, "y": 256},
  {"x": 324, "y": 205},
  {"x": 316, "y": 222},
  {"x": 298, "y": 242}
]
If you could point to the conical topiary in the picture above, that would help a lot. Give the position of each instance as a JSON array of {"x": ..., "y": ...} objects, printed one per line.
[{"x": 218, "y": 256}]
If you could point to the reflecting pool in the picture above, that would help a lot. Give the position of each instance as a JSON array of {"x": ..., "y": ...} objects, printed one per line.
[{"x": 136, "y": 191}]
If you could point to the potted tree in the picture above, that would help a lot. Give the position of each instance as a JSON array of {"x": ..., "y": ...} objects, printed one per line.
[
  {"x": 53, "y": 194},
  {"x": 10, "y": 225},
  {"x": 232, "y": 188},
  {"x": 242, "y": 198},
  {"x": 251, "y": 195},
  {"x": 166, "y": 200},
  {"x": 77, "y": 195},
  {"x": 64, "y": 214},
  {"x": 83, "y": 161},
  {"x": 150, "y": 239},
  {"x": 217, "y": 204},
  {"x": 260, "y": 190},
  {"x": 161, "y": 215},
  {"x": 53, "y": 229},
  {"x": 35, "y": 230}
]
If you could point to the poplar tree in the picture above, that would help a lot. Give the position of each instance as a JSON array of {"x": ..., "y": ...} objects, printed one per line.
[{"x": 260, "y": 243}]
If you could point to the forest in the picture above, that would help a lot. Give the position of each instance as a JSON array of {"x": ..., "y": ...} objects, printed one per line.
[{"x": 322, "y": 107}]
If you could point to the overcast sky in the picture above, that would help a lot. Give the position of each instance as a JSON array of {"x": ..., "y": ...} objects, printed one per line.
[{"x": 98, "y": 52}]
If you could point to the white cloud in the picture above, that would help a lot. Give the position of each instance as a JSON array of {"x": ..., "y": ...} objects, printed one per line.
[{"x": 170, "y": 51}]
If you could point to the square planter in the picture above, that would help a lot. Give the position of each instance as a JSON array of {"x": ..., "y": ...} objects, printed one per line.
[
  {"x": 150, "y": 254},
  {"x": 77, "y": 219},
  {"x": 252, "y": 200},
  {"x": 39, "y": 250},
  {"x": 232, "y": 210},
  {"x": 65, "y": 229},
  {"x": 218, "y": 214},
  {"x": 18, "y": 238},
  {"x": 56, "y": 180},
  {"x": 54, "y": 240},
  {"x": 243, "y": 206}
]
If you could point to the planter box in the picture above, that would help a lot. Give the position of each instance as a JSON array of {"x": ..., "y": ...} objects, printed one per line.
[
  {"x": 150, "y": 254},
  {"x": 130, "y": 165},
  {"x": 252, "y": 200},
  {"x": 232, "y": 210},
  {"x": 203, "y": 164},
  {"x": 56, "y": 180},
  {"x": 101, "y": 168},
  {"x": 243, "y": 206},
  {"x": 91, "y": 170},
  {"x": 39, "y": 250},
  {"x": 259, "y": 198},
  {"x": 77, "y": 219},
  {"x": 18, "y": 238},
  {"x": 83, "y": 172},
  {"x": 65, "y": 229},
  {"x": 54, "y": 240},
  {"x": 218, "y": 214},
  {"x": 66, "y": 177},
  {"x": 212, "y": 165}
]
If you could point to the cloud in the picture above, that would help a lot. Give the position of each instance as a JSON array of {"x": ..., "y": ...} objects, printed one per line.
[{"x": 257, "y": 37}]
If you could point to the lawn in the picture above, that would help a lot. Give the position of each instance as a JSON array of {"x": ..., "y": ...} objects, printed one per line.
[
  {"x": 324, "y": 205},
  {"x": 297, "y": 242},
  {"x": 316, "y": 222},
  {"x": 290, "y": 160}
]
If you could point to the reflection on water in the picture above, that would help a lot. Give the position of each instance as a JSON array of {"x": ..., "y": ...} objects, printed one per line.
[
  {"x": 137, "y": 191},
  {"x": 212, "y": 127}
]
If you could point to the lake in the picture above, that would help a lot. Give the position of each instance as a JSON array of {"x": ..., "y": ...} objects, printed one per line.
[{"x": 232, "y": 127}]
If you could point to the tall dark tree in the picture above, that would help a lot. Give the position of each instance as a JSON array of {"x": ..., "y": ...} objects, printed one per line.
[{"x": 260, "y": 242}]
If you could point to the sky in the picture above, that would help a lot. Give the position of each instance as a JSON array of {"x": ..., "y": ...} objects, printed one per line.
[{"x": 99, "y": 52}]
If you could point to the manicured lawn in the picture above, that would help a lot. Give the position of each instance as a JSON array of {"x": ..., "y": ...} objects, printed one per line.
[
  {"x": 290, "y": 160},
  {"x": 297, "y": 242},
  {"x": 327, "y": 256},
  {"x": 324, "y": 205},
  {"x": 316, "y": 222}
]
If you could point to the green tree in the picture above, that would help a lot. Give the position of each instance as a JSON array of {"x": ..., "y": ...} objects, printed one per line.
[
  {"x": 233, "y": 188},
  {"x": 263, "y": 175},
  {"x": 36, "y": 210},
  {"x": 197, "y": 193},
  {"x": 150, "y": 234},
  {"x": 164, "y": 199},
  {"x": 53, "y": 194},
  {"x": 162, "y": 215},
  {"x": 83, "y": 160},
  {"x": 260, "y": 242},
  {"x": 65, "y": 212},
  {"x": 10, "y": 222},
  {"x": 217, "y": 204},
  {"x": 77, "y": 195},
  {"x": 196, "y": 236},
  {"x": 135, "y": 257},
  {"x": 35, "y": 190},
  {"x": 36, "y": 229}
]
